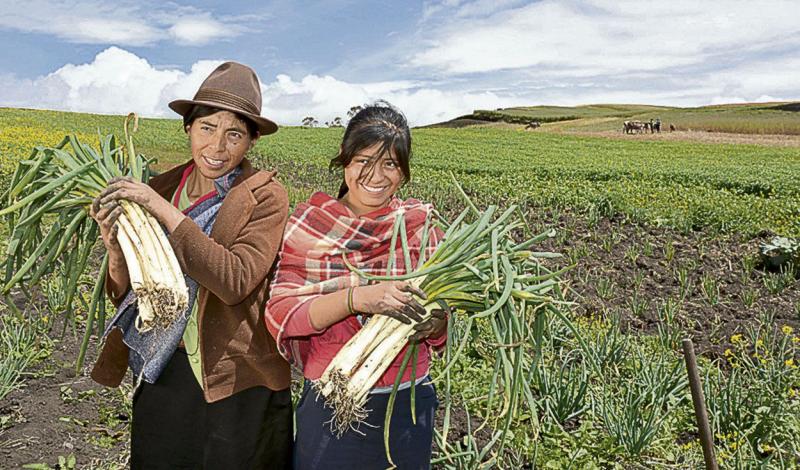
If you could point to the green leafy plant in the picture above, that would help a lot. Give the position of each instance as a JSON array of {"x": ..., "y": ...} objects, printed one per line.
[
  {"x": 46, "y": 207},
  {"x": 605, "y": 288},
  {"x": 633, "y": 411},
  {"x": 22, "y": 344},
  {"x": 709, "y": 286},
  {"x": 562, "y": 386},
  {"x": 776, "y": 283},
  {"x": 609, "y": 346}
]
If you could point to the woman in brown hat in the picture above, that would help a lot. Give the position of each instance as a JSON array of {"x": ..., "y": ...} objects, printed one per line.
[{"x": 211, "y": 390}]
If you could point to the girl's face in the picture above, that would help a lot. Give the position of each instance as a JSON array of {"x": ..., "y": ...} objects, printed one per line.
[
  {"x": 371, "y": 179},
  {"x": 219, "y": 143}
]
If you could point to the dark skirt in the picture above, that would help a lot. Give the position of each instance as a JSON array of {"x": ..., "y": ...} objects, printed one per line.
[
  {"x": 410, "y": 445},
  {"x": 174, "y": 428}
]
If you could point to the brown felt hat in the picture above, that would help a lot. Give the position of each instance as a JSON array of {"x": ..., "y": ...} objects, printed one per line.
[{"x": 232, "y": 87}]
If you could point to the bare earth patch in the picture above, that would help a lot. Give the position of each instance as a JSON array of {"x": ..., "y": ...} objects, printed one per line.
[
  {"x": 632, "y": 270},
  {"x": 769, "y": 140},
  {"x": 57, "y": 413}
]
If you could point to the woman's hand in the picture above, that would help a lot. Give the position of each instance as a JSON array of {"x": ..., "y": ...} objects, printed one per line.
[
  {"x": 106, "y": 216},
  {"x": 433, "y": 327},
  {"x": 142, "y": 194},
  {"x": 391, "y": 298}
]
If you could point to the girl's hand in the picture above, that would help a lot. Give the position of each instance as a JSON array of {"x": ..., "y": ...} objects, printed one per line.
[
  {"x": 391, "y": 298},
  {"x": 135, "y": 191},
  {"x": 433, "y": 327}
]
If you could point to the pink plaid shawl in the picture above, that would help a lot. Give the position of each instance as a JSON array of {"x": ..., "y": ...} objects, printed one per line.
[{"x": 310, "y": 264}]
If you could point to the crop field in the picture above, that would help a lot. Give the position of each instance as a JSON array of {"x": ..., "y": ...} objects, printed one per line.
[
  {"x": 760, "y": 118},
  {"x": 727, "y": 188},
  {"x": 662, "y": 241}
]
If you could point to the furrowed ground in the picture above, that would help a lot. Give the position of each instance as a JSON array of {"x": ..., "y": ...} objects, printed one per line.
[{"x": 663, "y": 237}]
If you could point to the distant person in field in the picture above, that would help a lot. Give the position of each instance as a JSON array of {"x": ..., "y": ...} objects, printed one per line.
[
  {"x": 212, "y": 392},
  {"x": 317, "y": 304}
]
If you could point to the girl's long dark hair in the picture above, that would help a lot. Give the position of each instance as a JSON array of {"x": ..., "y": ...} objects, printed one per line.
[{"x": 379, "y": 123}]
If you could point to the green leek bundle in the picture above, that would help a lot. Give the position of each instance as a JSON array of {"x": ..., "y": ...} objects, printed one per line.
[
  {"x": 46, "y": 207},
  {"x": 493, "y": 284}
]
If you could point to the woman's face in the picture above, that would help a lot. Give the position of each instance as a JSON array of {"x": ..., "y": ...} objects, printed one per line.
[
  {"x": 373, "y": 188},
  {"x": 219, "y": 143}
]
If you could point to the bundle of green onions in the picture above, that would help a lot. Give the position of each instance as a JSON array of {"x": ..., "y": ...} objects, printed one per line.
[
  {"x": 54, "y": 189},
  {"x": 492, "y": 284}
]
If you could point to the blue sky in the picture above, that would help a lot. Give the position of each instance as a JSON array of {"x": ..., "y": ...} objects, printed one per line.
[{"x": 434, "y": 59}]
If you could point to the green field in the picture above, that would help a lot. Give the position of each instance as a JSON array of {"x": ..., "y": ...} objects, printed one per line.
[
  {"x": 690, "y": 186},
  {"x": 662, "y": 238},
  {"x": 756, "y": 118}
]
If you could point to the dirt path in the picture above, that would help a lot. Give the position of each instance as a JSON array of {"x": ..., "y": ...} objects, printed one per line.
[{"x": 769, "y": 140}]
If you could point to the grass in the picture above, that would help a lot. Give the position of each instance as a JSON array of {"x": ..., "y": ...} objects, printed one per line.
[{"x": 22, "y": 345}]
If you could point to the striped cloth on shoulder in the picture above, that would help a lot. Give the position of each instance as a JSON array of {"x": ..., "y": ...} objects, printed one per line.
[{"x": 318, "y": 235}]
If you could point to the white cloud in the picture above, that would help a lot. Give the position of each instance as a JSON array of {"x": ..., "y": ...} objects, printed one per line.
[
  {"x": 87, "y": 23},
  {"x": 118, "y": 82},
  {"x": 430, "y": 8},
  {"x": 202, "y": 29},
  {"x": 115, "y": 82},
  {"x": 779, "y": 78},
  {"x": 466, "y": 54},
  {"x": 727, "y": 100},
  {"x": 482, "y": 8},
  {"x": 326, "y": 97},
  {"x": 102, "y": 31},
  {"x": 124, "y": 23},
  {"x": 600, "y": 36}
]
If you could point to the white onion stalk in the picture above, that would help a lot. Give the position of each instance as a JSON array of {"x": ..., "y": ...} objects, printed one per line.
[
  {"x": 347, "y": 380},
  {"x": 160, "y": 288}
]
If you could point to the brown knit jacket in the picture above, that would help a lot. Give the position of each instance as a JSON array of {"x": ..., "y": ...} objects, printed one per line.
[{"x": 232, "y": 269}]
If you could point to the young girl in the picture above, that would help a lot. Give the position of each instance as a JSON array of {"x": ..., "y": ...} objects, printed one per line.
[{"x": 317, "y": 304}]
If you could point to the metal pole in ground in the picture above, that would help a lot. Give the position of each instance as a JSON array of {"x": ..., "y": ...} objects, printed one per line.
[{"x": 699, "y": 401}]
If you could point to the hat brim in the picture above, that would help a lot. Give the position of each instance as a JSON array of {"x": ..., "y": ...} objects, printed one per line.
[{"x": 265, "y": 126}]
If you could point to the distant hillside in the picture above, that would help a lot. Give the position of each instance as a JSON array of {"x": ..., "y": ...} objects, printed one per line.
[
  {"x": 749, "y": 118},
  {"x": 543, "y": 114}
]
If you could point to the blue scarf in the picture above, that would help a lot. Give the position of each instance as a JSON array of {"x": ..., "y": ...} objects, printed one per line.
[{"x": 151, "y": 351}]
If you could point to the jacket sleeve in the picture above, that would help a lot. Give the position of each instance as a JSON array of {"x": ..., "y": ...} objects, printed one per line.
[
  {"x": 116, "y": 298},
  {"x": 233, "y": 273}
]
